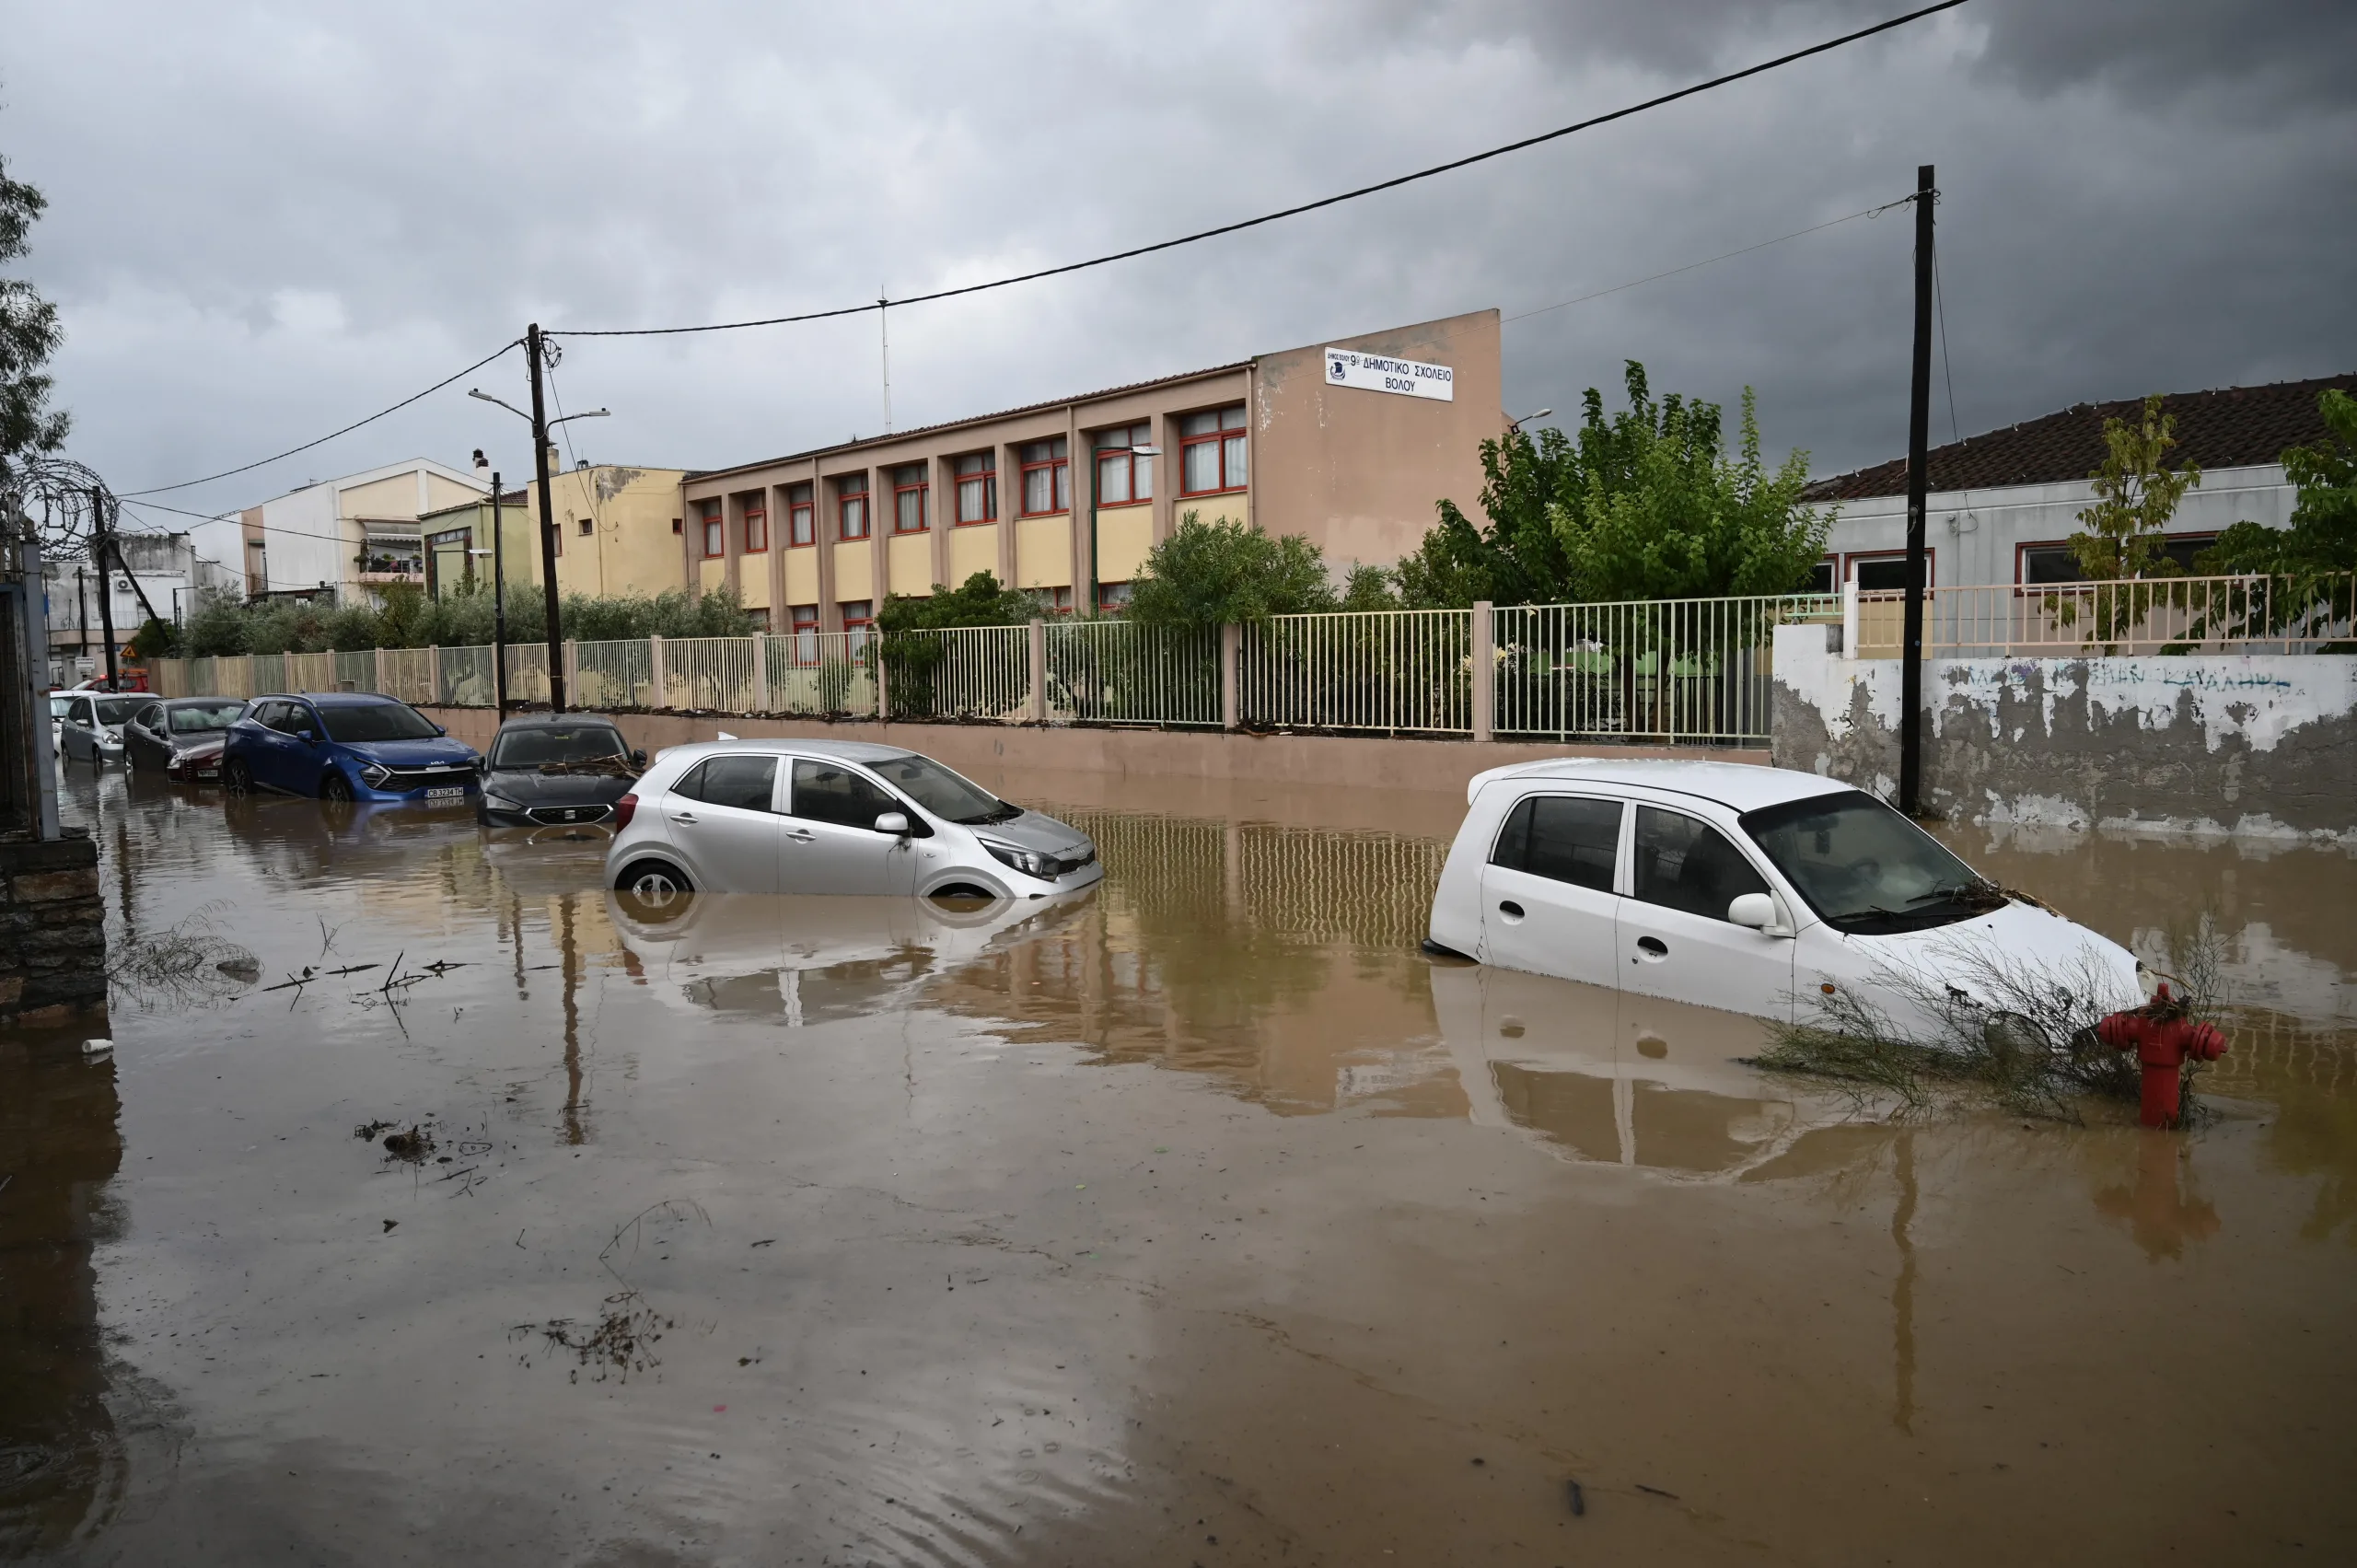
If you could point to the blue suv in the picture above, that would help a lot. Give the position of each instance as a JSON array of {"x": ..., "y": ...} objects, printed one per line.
[{"x": 346, "y": 745}]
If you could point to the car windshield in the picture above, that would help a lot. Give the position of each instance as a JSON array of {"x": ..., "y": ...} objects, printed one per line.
[
  {"x": 204, "y": 718},
  {"x": 114, "y": 710},
  {"x": 1864, "y": 867},
  {"x": 542, "y": 745},
  {"x": 942, "y": 792},
  {"x": 57, "y": 706},
  {"x": 376, "y": 721}
]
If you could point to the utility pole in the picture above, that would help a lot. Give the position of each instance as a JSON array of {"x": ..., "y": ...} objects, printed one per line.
[
  {"x": 102, "y": 547},
  {"x": 1919, "y": 420},
  {"x": 498, "y": 599},
  {"x": 532, "y": 352}
]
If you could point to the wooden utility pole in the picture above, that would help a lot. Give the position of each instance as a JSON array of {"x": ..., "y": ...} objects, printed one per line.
[
  {"x": 532, "y": 352},
  {"x": 101, "y": 550},
  {"x": 1919, "y": 423},
  {"x": 498, "y": 600}
]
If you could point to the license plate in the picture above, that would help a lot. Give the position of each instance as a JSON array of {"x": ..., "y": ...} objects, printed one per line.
[{"x": 444, "y": 794}]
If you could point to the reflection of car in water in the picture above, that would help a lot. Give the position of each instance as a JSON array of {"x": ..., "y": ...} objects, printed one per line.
[
  {"x": 1614, "y": 1077},
  {"x": 302, "y": 838},
  {"x": 806, "y": 959},
  {"x": 1734, "y": 887}
]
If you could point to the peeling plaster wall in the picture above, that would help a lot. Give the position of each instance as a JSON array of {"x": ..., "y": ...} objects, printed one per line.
[{"x": 2258, "y": 744}]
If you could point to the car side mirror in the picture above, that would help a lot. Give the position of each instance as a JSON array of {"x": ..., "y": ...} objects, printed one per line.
[
  {"x": 437, "y": 728},
  {"x": 1757, "y": 911},
  {"x": 638, "y": 758},
  {"x": 893, "y": 822}
]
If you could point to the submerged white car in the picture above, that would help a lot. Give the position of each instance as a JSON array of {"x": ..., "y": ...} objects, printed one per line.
[
  {"x": 832, "y": 816},
  {"x": 1753, "y": 889}
]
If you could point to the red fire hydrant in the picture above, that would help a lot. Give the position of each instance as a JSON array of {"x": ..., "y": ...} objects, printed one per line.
[{"x": 2164, "y": 1036}]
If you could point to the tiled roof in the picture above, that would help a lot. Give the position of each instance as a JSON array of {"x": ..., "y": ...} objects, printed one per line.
[
  {"x": 2231, "y": 427},
  {"x": 694, "y": 474}
]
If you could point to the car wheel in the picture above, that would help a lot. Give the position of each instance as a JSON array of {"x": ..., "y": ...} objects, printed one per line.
[
  {"x": 237, "y": 778},
  {"x": 336, "y": 789},
  {"x": 655, "y": 884}
]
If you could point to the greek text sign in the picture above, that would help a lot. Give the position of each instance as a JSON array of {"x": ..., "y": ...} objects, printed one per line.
[{"x": 1379, "y": 373}]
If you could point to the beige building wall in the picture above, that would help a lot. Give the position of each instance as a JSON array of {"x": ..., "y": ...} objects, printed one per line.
[
  {"x": 633, "y": 543},
  {"x": 1358, "y": 473}
]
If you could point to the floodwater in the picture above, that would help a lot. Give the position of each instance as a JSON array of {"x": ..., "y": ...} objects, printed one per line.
[{"x": 1198, "y": 1221}]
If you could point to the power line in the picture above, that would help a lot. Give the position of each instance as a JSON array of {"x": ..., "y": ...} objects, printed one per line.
[
  {"x": 264, "y": 462},
  {"x": 269, "y": 528},
  {"x": 1323, "y": 202},
  {"x": 1689, "y": 266},
  {"x": 1947, "y": 367}
]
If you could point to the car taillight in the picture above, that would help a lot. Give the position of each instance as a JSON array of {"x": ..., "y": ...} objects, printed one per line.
[{"x": 622, "y": 810}]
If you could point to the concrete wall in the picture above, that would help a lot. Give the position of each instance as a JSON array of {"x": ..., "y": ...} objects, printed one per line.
[
  {"x": 1360, "y": 473},
  {"x": 2255, "y": 744},
  {"x": 53, "y": 929},
  {"x": 629, "y": 548},
  {"x": 1306, "y": 762}
]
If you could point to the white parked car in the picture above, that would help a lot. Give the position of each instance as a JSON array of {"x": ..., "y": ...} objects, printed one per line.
[
  {"x": 832, "y": 816},
  {"x": 1744, "y": 889}
]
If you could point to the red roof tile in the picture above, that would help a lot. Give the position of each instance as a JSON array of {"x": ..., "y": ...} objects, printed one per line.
[{"x": 2231, "y": 427}]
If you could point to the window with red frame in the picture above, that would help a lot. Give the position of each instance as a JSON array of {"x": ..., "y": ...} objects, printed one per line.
[
  {"x": 805, "y": 618},
  {"x": 851, "y": 506},
  {"x": 1123, "y": 476},
  {"x": 757, "y": 525},
  {"x": 1211, "y": 451},
  {"x": 1112, "y": 598},
  {"x": 859, "y": 620},
  {"x": 1059, "y": 600},
  {"x": 715, "y": 533},
  {"x": 977, "y": 488},
  {"x": 801, "y": 519},
  {"x": 909, "y": 489},
  {"x": 1047, "y": 477}
]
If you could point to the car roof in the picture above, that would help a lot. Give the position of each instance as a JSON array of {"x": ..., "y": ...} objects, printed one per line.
[
  {"x": 1740, "y": 786},
  {"x": 842, "y": 751},
  {"x": 538, "y": 721},
  {"x": 197, "y": 702},
  {"x": 330, "y": 699}
]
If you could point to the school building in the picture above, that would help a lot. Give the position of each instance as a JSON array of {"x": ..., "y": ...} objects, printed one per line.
[{"x": 1350, "y": 443}]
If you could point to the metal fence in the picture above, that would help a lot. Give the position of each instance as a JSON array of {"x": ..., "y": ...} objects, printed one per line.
[
  {"x": 820, "y": 673},
  {"x": 1117, "y": 673},
  {"x": 1391, "y": 671},
  {"x": 1694, "y": 669},
  {"x": 2149, "y": 615},
  {"x": 967, "y": 672}
]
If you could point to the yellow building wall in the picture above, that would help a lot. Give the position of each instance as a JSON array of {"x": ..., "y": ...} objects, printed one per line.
[
  {"x": 972, "y": 549},
  {"x": 633, "y": 548},
  {"x": 711, "y": 575},
  {"x": 753, "y": 581},
  {"x": 801, "y": 577},
  {"x": 854, "y": 571},
  {"x": 910, "y": 568},
  {"x": 1043, "y": 551},
  {"x": 441, "y": 493},
  {"x": 1124, "y": 535},
  {"x": 394, "y": 497}
]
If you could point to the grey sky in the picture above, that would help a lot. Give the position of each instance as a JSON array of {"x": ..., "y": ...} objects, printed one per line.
[{"x": 269, "y": 220}]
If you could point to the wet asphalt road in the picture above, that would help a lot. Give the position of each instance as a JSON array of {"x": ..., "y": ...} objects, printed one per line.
[{"x": 1198, "y": 1221}]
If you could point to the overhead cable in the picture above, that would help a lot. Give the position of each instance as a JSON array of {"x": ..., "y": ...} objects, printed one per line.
[
  {"x": 264, "y": 462},
  {"x": 1438, "y": 169}
]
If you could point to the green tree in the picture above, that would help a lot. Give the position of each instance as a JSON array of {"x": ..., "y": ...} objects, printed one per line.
[
  {"x": 2311, "y": 559},
  {"x": 2136, "y": 493},
  {"x": 1515, "y": 558},
  {"x": 29, "y": 335},
  {"x": 1213, "y": 573},
  {"x": 1665, "y": 513},
  {"x": 156, "y": 638},
  {"x": 980, "y": 600}
]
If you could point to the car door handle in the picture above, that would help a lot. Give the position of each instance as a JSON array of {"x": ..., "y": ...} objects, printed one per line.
[
  {"x": 1511, "y": 910},
  {"x": 683, "y": 815},
  {"x": 799, "y": 836},
  {"x": 1652, "y": 948}
]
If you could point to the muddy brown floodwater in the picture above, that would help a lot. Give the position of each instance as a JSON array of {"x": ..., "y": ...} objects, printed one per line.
[{"x": 1198, "y": 1221}]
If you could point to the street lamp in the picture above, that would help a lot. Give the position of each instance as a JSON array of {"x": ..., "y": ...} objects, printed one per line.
[
  {"x": 540, "y": 429},
  {"x": 1095, "y": 505},
  {"x": 1526, "y": 419}
]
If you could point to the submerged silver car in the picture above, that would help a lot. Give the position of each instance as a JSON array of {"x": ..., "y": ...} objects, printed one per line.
[{"x": 832, "y": 816}]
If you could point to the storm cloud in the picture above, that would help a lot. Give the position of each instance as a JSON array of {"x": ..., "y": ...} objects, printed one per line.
[{"x": 269, "y": 220}]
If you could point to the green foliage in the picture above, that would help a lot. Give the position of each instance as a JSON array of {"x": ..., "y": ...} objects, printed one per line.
[
  {"x": 1643, "y": 505},
  {"x": 29, "y": 335},
  {"x": 2136, "y": 493},
  {"x": 980, "y": 600},
  {"x": 156, "y": 638},
  {"x": 406, "y": 619},
  {"x": 2323, "y": 535},
  {"x": 1516, "y": 558},
  {"x": 1212, "y": 573},
  {"x": 1665, "y": 514}
]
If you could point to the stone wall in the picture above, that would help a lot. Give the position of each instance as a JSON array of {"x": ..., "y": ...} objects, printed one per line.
[
  {"x": 2256, "y": 744},
  {"x": 53, "y": 929}
]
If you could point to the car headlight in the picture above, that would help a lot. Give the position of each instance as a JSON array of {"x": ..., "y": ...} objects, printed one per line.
[
  {"x": 1031, "y": 863},
  {"x": 499, "y": 802},
  {"x": 376, "y": 775}
]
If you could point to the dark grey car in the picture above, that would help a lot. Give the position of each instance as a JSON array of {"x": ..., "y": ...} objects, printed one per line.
[{"x": 556, "y": 769}]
